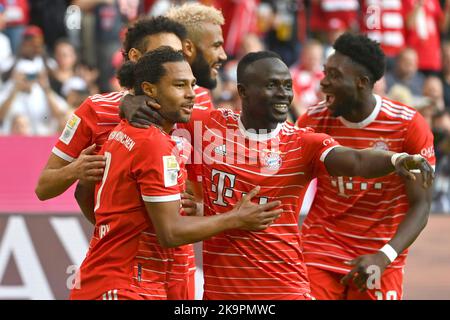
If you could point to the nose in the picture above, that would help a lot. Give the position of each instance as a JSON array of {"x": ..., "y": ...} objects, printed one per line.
[
  {"x": 190, "y": 93},
  {"x": 222, "y": 55},
  {"x": 324, "y": 82}
]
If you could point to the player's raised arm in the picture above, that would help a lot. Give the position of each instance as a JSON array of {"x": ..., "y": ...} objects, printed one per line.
[
  {"x": 174, "y": 230},
  {"x": 370, "y": 163}
]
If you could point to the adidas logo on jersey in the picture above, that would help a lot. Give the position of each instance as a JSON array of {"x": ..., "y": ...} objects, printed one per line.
[{"x": 221, "y": 150}]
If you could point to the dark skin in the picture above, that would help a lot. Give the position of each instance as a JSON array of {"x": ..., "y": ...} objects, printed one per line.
[
  {"x": 265, "y": 89},
  {"x": 351, "y": 87}
]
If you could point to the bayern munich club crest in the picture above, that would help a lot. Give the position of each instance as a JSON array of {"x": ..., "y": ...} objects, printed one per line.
[
  {"x": 271, "y": 160},
  {"x": 381, "y": 145}
]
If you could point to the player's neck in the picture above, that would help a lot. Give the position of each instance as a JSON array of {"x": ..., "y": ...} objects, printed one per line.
[
  {"x": 167, "y": 127},
  {"x": 362, "y": 108},
  {"x": 251, "y": 123}
]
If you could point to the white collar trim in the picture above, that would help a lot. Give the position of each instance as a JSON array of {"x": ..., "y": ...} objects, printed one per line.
[
  {"x": 368, "y": 120},
  {"x": 252, "y": 135}
]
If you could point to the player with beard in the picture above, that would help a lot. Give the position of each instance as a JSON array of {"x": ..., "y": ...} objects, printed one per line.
[
  {"x": 204, "y": 51},
  {"x": 361, "y": 227},
  {"x": 203, "y": 47}
]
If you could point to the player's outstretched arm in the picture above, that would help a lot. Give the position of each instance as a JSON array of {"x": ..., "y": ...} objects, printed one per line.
[
  {"x": 370, "y": 163},
  {"x": 58, "y": 174},
  {"x": 408, "y": 230},
  {"x": 174, "y": 230}
]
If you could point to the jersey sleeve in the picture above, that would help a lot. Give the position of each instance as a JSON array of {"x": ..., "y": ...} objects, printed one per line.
[
  {"x": 157, "y": 171},
  {"x": 419, "y": 139},
  {"x": 77, "y": 134},
  {"x": 317, "y": 146}
]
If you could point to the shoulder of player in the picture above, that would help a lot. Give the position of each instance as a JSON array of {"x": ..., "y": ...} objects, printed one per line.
[
  {"x": 397, "y": 111},
  {"x": 318, "y": 109},
  {"x": 289, "y": 129},
  {"x": 111, "y": 99}
]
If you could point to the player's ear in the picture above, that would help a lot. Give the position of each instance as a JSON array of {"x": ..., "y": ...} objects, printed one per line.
[
  {"x": 241, "y": 90},
  {"x": 189, "y": 49},
  {"x": 134, "y": 54},
  {"x": 149, "y": 89},
  {"x": 363, "y": 82}
]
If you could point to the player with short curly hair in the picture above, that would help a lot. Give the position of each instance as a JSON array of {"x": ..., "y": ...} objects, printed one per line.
[{"x": 357, "y": 232}]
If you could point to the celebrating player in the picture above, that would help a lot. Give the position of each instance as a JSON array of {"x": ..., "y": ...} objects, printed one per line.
[
  {"x": 138, "y": 200},
  {"x": 258, "y": 147},
  {"x": 356, "y": 224}
]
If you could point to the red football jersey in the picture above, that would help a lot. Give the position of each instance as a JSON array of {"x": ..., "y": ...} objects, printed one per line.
[
  {"x": 91, "y": 123},
  {"x": 255, "y": 265},
  {"x": 93, "y": 120},
  {"x": 203, "y": 98},
  {"x": 124, "y": 251},
  {"x": 425, "y": 36},
  {"x": 384, "y": 22},
  {"x": 355, "y": 216}
]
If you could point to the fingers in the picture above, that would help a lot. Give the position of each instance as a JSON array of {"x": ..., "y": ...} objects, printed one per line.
[
  {"x": 349, "y": 276},
  {"x": 152, "y": 103},
  {"x": 268, "y": 206},
  {"x": 248, "y": 197},
  {"x": 274, "y": 214},
  {"x": 93, "y": 175},
  {"x": 89, "y": 150},
  {"x": 186, "y": 195}
]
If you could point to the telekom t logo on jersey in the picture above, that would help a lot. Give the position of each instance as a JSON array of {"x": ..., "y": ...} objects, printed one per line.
[{"x": 224, "y": 187}]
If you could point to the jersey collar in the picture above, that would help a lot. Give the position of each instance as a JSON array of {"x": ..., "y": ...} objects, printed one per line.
[
  {"x": 368, "y": 120},
  {"x": 252, "y": 135}
]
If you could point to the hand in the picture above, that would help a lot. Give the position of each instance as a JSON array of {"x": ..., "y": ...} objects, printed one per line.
[
  {"x": 89, "y": 166},
  {"x": 140, "y": 111},
  {"x": 188, "y": 203},
  {"x": 253, "y": 217},
  {"x": 21, "y": 83},
  {"x": 44, "y": 81},
  {"x": 360, "y": 273},
  {"x": 414, "y": 162}
]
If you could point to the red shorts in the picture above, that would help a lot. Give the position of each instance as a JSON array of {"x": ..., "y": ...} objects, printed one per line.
[
  {"x": 182, "y": 290},
  {"x": 325, "y": 285},
  {"x": 125, "y": 294}
]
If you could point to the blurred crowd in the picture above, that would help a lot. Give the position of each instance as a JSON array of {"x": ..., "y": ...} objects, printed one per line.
[{"x": 54, "y": 54}]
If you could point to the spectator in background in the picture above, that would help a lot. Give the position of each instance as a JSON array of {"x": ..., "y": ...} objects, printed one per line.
[
  {"x": 240, "y": 19},
  {"x": 445, "y": 74},
  {"x": 424, "y": 22},
  {"x": 31, "y": 53},
  {"x": 282, "y": 38},
  {"x": 108, "y": 23},
  {"x": 383, "y": 21},
  {"x": 66, "y": 59},
  {"x": 50, "y": 16},
  {"x": 29, "y": 94},
  {"x": 306, "y": 76},
  {"x": 90, "y": 75},
  {"x": 326, "y": 14},
  {"x": 441, "y": 132},
  {"x": 5, "y": 45},
  {"x": 17, "y": 18},
  {"x": 434, "y": 90},
  {"x": 20, "y": 126},
  {"x": 406, "y": 72}
]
